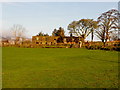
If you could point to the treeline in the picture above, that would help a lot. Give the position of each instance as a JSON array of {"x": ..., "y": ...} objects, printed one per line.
[{"x": 106, "y": 27}]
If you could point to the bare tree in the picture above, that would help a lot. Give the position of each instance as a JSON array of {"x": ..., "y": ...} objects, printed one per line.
[
  {"x": 6, "y": 34},
  {"x": 107, "y": 23},
  {"x": 18, "y": 30},
  {"x": 114, "y": 35},
  {"x": 82, "y": 28}
]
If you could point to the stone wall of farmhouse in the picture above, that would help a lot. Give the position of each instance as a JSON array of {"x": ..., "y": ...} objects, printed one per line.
[
  {"x": 44, "y": 40},
  {"x": 52, "y": 40}
]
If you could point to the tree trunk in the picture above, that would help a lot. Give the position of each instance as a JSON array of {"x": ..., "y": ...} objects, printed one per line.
[
  {"x": 92, "y": 37},
  {"x": 103, "y": 42},
  {"x": 80, "y": 42}
]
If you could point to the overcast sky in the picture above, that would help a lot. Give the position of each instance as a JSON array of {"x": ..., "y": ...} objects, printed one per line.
[{"x": 46, "y": 16}]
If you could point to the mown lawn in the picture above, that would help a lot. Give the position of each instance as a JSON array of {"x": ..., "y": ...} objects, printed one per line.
[{"x": 59, "y": 68}]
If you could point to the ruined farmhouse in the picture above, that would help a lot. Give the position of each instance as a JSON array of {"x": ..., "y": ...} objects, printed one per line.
[{"x": 54, "y": 40}]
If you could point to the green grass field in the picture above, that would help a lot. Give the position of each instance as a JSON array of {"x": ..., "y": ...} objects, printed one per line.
[{"x": 59, "y": 68}]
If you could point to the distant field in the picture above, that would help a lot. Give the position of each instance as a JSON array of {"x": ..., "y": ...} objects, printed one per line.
[{"x": 59, "y": 68}]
